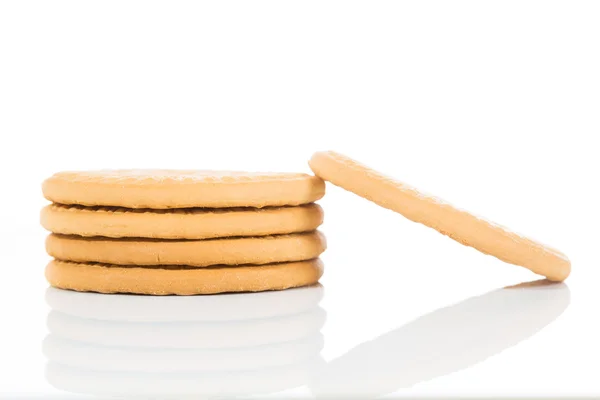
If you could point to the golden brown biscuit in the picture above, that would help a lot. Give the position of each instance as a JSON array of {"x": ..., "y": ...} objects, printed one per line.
[
  {"x": 183, "y": 223},
  {"x": 465, "y": 228},
  {"x": 182, "y": 189},
  {"x": 198, "y": 253},
  {"x": 181, "y": 280}
]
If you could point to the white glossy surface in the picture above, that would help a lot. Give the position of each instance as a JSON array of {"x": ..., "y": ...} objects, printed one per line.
[{"x": 104, "y": 360}]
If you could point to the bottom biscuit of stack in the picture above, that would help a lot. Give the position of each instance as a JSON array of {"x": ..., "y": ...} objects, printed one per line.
[{"x": 182, "y": 280}]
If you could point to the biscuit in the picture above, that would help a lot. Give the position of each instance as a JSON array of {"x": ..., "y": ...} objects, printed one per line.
[
  {"x": 181, "y": 280},
  {"x": 197, "y": 253},
  {"x": 162, "y": 189},
  {"x": 184, "y": 223},
  {"x": 464, "y": 227}
]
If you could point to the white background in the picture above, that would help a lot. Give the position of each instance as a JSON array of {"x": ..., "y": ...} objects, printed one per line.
[{"x": 493, "y": 106}]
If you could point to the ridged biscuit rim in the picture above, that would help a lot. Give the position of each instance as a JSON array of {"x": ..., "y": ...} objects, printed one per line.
[
  {"x": 192, "y": 253},
  {"x": 164, "y": 189},
  {"x": 106, "y": 278},
  {"x": 184, "y": 223}
]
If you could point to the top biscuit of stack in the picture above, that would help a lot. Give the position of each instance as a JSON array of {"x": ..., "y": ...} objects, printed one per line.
[{"x": 164, "y": 189}]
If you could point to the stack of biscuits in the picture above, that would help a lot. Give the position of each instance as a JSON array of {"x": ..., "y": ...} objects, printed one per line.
[{"x": 166, "y": 232}]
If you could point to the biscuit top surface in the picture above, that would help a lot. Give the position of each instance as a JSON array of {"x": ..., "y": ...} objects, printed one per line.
[
  {"x": 133, "y": 176},
  {"x": 164, "y": 189}
]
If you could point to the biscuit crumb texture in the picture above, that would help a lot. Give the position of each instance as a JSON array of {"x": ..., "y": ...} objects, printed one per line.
[{"x": 165, "y": 189}]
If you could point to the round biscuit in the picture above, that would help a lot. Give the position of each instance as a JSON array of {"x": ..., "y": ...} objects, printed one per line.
[
  {"x": 460, "y": 225},
  {"x": 195, "y": 253},
  {"x": 181, "y": 280},
  {"x": 162, "y": 189},
  {"x": 183, "y": 223}
]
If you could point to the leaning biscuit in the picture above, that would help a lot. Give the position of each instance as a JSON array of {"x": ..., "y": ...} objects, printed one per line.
[
  {"x": 181, "y": 280},
  {"x": 465, "y": 228},
  {"x": 183, "y": 223},
  {"x": 198, "y": 253},
  {"x": 161, "y": 189}
]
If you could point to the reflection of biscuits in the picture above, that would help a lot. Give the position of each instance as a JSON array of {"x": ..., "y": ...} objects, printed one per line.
[
  {"x": 182, "y": 189},
  {"x": 198, "y": 253},
  {"x": 181, "y": 335},
  {"x": 173, "y": 309},
  {"x": 165, "y": 360},
  {"x": 162, "y": 280},
  {"x": 442, "y": 342},
  {"x": 181, "y": 384},
  {"x": 194, "y": 223},
  {"x": 459, "y": 225}
]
